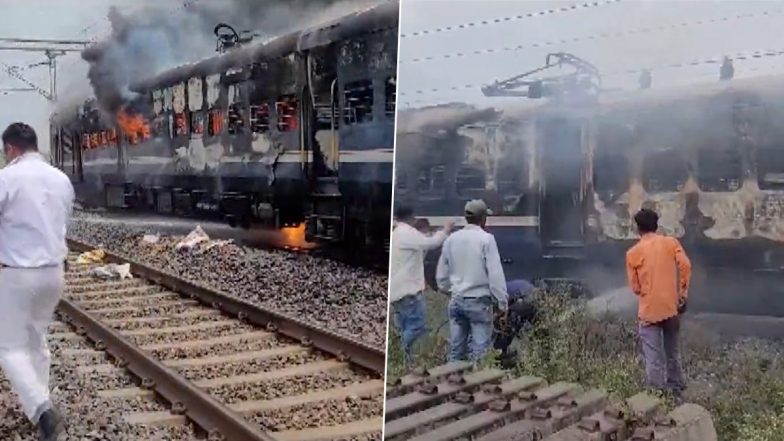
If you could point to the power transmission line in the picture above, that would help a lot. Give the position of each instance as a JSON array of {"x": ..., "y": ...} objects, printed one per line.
[
  {"x": 507, "y": 19},
  {"x": 757, "y": 54},
  {"x": 592, "y": 37}
]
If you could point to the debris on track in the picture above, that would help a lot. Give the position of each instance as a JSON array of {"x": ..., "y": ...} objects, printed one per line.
[{"x": 325, "y": 292}]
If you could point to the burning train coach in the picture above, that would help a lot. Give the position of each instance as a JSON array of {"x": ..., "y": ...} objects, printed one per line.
[
  {"x": 294, "y": 131},
  {"x": 564, "y": 180}
]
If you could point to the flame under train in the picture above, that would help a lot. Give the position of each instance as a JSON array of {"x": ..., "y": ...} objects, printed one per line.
[
  {"x": 296, "y": 129},
  {"x": 565, "y": 177}
]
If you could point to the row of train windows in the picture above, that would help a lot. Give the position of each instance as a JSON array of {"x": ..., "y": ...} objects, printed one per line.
[
  {"x": 667, "y": 171},
  {"x": 467, "y": 179},
  {"x": 359, "y": 99}
]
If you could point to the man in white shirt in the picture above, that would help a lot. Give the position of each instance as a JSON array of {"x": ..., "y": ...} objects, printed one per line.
[
  {"x": 470, "y": 270},
  {"x": 407, "y": 276},
  {"x": 36, "y": 201}
]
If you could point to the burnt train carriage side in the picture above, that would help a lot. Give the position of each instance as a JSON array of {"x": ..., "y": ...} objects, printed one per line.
[
  {"x": 298, "y": 128},
  {"x": 352, "y": 68},
  {"x": 87, "y": 148},
  {"x": 707, "y": 158},
  {"x": 449, "y": 154}
]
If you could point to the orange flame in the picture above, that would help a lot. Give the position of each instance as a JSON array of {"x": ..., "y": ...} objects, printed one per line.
[
  {"x": 294, "y": 237},
  {"x": 133, "y": 126}
]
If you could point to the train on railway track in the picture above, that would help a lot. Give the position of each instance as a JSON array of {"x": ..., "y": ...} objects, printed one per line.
[
  {"x": 565, "y": 174},
  {"x": 295, "y": 131}
]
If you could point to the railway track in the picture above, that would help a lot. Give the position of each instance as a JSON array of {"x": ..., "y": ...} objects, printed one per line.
[
  {"x": 454, "y": 402},
  {"x": 231, "y": 370}
]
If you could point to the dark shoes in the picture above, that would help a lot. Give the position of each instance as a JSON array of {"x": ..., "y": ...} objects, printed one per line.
[{"x": 50, "y": 425}]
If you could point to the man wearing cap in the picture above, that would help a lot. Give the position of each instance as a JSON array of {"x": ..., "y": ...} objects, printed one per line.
[
  {"x": 470, "y": 270},
  {"x": 35, "y": 202},
  {"x": 407, "y": 276}
]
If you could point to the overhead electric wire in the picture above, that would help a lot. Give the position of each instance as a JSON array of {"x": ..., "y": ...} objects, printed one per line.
[
  {"x": 592, "y": 37},
  {"x": 743, "y": 56},
  {"x": 510, "y": 18}
]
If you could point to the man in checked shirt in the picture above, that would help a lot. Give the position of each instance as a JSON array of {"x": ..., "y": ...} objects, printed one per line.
[{"x": 659, "y": 272}]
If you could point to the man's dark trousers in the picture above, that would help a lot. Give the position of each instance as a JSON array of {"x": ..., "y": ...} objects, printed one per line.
[{"x": 659, "y": 342}]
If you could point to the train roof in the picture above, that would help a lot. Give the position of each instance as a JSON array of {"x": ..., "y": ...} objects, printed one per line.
[
  {"x": 442, "y": 117},
  {"x": 651, "y": 99},
  {"x": 382, "y": 16},
  {"x": 432, "y": 119}
]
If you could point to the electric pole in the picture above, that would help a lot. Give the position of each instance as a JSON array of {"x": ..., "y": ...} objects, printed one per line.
[{"x": 51, "y": 49}]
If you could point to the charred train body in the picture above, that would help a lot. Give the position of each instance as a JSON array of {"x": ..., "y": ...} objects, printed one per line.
[
  {"x": 565, "y": 180},
  {"x": 297, "y": 130}
]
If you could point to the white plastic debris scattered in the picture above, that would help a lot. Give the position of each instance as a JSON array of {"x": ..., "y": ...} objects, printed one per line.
[
  {"x": 193, "y": 238},
  {"x": 112, "y": 271},
  {"x": 150, "y": 238},
  {"x": 217, "y": 243}
]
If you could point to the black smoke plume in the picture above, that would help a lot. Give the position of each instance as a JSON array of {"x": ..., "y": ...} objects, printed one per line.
[{"x": 153, "y": 39}]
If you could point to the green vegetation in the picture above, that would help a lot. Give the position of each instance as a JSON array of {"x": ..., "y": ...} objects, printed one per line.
[{"x": 740, "y": 382}]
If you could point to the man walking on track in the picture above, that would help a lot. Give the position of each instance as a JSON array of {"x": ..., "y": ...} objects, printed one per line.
[
  {"x": 407, "y": 281},
  {"x": 659, "y": 272},
  {"x": 470, "y": 270},
  {"x": 36, "y": 200}
]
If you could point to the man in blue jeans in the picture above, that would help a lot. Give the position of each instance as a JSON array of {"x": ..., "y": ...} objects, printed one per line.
[
  {"x": 470, "y": 270},
  {"x": 407, "y": 276}
]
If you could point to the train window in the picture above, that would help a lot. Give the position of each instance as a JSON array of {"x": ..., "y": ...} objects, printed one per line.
[
  {"x": 391, "y": 97},
  {"x": 664, "y": 171},
  {"x": 260, "y": 118},
  {"x": 236, "y": 112},
  {"x": 470, "y": 181},
  {"x": 327, "y": 117},
  {"x": 512, "y": 175},
  {"x": 160, "y": 126},
  {"x": 359, "y": 102},
  {"x": 400, "y": 180},
  {"x": 197, "y": 123},
  {"x": 719, "y": 169},
  {"x": 286, "y": 108},
  {"x": 432, "y": 178},
  {"x": 180, "y": 124},
  {"x": 215, "y": 123},
  {"x": 610, "y": 175},
  {"x": 236, "y": 118},
  {"x": 770, "y": 168}
]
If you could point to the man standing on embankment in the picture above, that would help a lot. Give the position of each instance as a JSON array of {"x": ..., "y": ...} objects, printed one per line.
[
  {"x": 407, "y": 276},
  {"x": 659, "y": 272}
]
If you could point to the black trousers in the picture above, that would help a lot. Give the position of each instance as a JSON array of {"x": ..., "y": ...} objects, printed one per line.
[{"x": 520, "y": 313}]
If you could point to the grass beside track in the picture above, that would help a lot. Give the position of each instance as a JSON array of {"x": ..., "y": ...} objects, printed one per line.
[{"x": 740, "y": 382}]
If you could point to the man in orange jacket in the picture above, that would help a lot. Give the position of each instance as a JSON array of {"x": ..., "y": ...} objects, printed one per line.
[{"x": 659, "y": 273}]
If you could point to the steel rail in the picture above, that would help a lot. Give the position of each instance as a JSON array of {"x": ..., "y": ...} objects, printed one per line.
[
  {"x": 205, "y": 411},
  {"x": 343, "y": 348}
]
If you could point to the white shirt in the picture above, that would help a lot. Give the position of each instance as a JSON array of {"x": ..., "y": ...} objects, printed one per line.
[
  {"x": 36, "y": 200},
  {"x": 470, "y": 266},
  {"x": 407, "y": 275}
]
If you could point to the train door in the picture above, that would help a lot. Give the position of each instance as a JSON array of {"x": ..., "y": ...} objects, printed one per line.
[
  {"x": 561, "y": 191},
  {"x": 323, "y": 117},
  {"x": 326, "y": 220}
]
